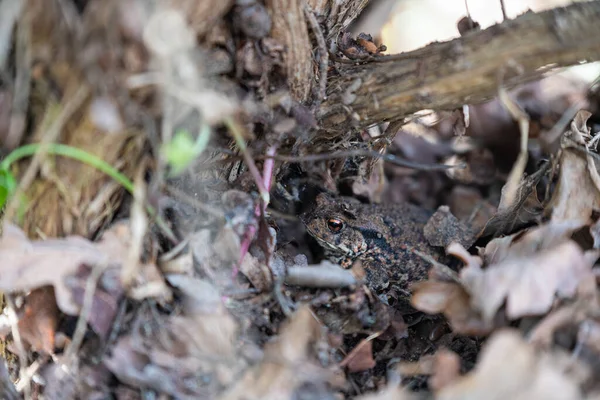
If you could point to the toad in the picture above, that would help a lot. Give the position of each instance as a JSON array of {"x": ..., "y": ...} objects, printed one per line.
[{"x": 381, "y": 237}]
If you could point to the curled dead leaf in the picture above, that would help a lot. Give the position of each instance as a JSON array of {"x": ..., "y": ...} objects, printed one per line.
[
  {"x": 528, "y": 284},
  {"x": 360, "y": 358},
  {"x": 277, "y": 376},
  {"x": 510, "y": 368},
  {"x": 577, "y": 193}
]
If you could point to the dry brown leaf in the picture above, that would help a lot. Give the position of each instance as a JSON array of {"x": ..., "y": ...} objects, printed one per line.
[
  {"x": 209, "y": 327},
  {"x": 529, "y": 241},
  {"x": 525, "y": 208},
  {"x": 360, "y": 358},
  {"x": 27, "y": 265},
  {"x": 527, "y": 271},
  {"x": 38, "y": 323},
  {"x": 107, "y": 296},
  {"x": 443, "y": 228},
  {"x": 576, "y": 195},
  {"x": 392, "y": 392},
  {"x": 528, "y": 284},
  {"x": 286, "y": 363},
  {"x": 200, "y": 342},
  {"x": 451, "y": 299},
  {"x": 257, "y": 273},
  {"x": 446, "y": 369},
  {"x": 510, "y": 368}
]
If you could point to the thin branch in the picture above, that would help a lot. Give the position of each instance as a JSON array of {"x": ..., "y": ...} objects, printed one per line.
[
  {"x": 446, "y": 75},
  {"x": 86, "y": 308},
  {"x": 324, "y": 53},
  {"x": 22, "y": 86},
  {"x": 238, "y": 136},
  {"x": 392, "y": 159},
  {"x": 503, "y": 7},
  {"x": 14, "y": 326}
]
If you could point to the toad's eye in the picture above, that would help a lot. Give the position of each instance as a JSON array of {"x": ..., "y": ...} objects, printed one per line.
[{"x": 335, "y": 225}]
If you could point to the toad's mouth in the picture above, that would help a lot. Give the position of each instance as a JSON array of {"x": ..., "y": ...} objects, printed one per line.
[{"x": 340, "y": 250}]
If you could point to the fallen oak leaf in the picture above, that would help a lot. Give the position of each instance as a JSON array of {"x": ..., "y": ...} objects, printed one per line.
[
  {"x": 527, "y": 279},
  {"x": 525, "y": 208},
  {"x": 361, "y": 357},
  {"x": 528, "y": 284},
  {"x": 446, "y": 369},
  {"x": 510, "y": 368},
  {"x": 391, "y": 392},
  {"x": 286, "y": 363},
  {"x": 39, "y": 320},
  {"x": 27, "y": 265},
  {"x": 528, "y": 241},
  {"x": 201, "y": 342},
  {"x": 577, "y": 194},
  {"x": 452, "y": 300}
]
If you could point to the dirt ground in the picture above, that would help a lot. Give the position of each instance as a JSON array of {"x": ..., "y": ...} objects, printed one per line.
[{"x": 248, "y": 199}]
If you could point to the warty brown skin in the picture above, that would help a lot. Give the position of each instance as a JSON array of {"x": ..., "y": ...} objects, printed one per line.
[{"x": 381, "y": 237}]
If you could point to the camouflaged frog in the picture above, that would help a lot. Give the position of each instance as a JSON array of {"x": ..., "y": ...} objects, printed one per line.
[{"x": 381, "y": 237}]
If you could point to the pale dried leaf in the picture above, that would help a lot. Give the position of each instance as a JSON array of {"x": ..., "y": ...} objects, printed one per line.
[
  {"x": 525, "y": 208},
  {"x": 206, "y": 326},
  {"x": 392, "y": 392},
  {"x": 28, "y": 264},
  {"x": 576, "y": 195},
  {"x": 360, "y": 358},
  {"x": 285, "y": 366},
  {"x": 446, "y": 366},
  {"x": 528, "y": 284},
  {"x": 528, "y": 242},
  {"x": 451, "y": 299},
  {"x": 509, "y": 368}
]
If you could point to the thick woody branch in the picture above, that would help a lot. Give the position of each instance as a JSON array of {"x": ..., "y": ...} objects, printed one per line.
[{"x": 466, "y": 70}]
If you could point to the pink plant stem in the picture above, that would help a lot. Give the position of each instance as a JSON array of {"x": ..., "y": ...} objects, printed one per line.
[{"x": 267, "y": 179}]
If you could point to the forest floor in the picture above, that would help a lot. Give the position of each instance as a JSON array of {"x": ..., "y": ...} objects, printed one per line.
[{"x": 160, "y": 166}]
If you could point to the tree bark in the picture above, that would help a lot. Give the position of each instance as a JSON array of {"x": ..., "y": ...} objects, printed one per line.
[{"x": 465, "y": 70}]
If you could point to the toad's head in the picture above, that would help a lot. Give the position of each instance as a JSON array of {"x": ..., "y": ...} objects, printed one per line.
[{"x": 342, "y": 226}]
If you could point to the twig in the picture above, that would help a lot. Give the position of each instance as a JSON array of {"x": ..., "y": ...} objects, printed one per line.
[
  {"x": 260, "y": 209},
  {"x": 9, "y": 14},
  {"x": 514, "y": 178},
  {"x": 167, "y": 119},
  {"x": 236, "y": 132},
  {"x": 400, "y": 91},
  {"x": 86, "y": 308},
  {"x": 139, "y": 226},
  {"x": 22, "y": 86},
  {"x": 392, "y": 159},
  {"x": 14, "y": 326},
  {"x": 324, "y": 61},
  {"x": 559, "y": 128},
  {"x": 24, "y": 381},
  {"x": 320, "y": 276},
  {"x": 503, "y": 7},
  {"x": 50, "y": 136},
  {"x": 468, "y": 14}
]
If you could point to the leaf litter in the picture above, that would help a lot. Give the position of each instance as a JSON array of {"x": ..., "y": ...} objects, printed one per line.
[{"x": 204, "y": 283}]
